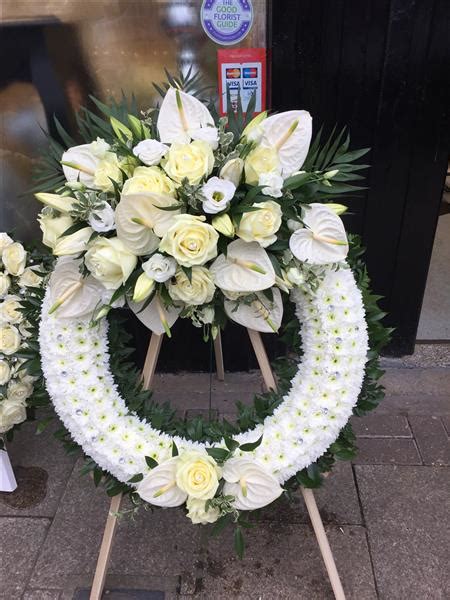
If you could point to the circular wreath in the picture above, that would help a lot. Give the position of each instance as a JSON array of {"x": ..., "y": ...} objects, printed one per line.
[{"x": 180, "y": 215}]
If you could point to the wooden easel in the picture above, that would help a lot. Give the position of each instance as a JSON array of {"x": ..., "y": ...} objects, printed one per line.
[{"x": 308, "y": 496}]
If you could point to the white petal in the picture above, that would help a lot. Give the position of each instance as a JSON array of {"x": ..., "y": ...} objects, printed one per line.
[
  {"x": 150, "y": 315},
  {"x": 162, "y": 476},
  {"x": 261, "y": 486},
  {"x": 84, "y": 299},
  {"x": 235, "y": 277},
  {"x": 293, "y": 151},
  {"x": 143, "y": 239},
  {"x": 170, "y": 125},
  {"x": 249, "y": 315},
  {"x": 323, "y": 223}
]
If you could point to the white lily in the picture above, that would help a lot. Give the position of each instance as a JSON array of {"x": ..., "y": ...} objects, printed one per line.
[
  {"x": 290, "y": 134},
  {"x": 323, "y": 239},
  {"x": 246, "y": 268},
  {"x": 180, "y": 114},
  {"x": 159, "y": 486},
  {"x": 251, "y": 484}
]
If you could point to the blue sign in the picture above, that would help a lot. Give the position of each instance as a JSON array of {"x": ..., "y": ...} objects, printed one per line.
[{"x": 226, "y": 22}]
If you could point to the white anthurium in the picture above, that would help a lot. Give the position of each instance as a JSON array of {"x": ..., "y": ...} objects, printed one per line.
[
  {"x": 141, "y": 220},
  {"x": 181, "y": 115},
  {"x": 159, "y": 486},
  {"x": 290, "y": 134},
  {"x": 207, "y": 134},
  {"x": 261, "y": 315},
  {"x": 218, "y": 193},
  {"x": 150, "y": 152},
  {"x": 246, "y": 268},
  {"x": 71, "y": 294},
  {"x": 79, "y": 163},
  {"x": 156, "y": 317},
  {"x": 323, "y": 239},
  {"x": 251, "y": 484}
]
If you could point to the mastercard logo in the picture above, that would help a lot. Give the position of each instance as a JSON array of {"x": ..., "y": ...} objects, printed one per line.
[{"x": 233, "y": 73}]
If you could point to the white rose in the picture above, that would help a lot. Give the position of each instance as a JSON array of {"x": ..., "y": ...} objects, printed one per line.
[
  {"x": 9, "y": 339},
  {"x": 189, "y": 161},
  {"x": 198, "y": 514},
  {"x": 273, "y": 183},
  {"x": 102, "y": 219},
  {"x": 207, "y": 134},
  {"x": 199, "y": 290},
  {"x": 73, "y": 243},
  {"x": 14, "y": 258},
  {"x": 108, "y": 168},
  {"x": 262, "y": 159},
  {"x": 150, "y": 152},
  {"x": 9, "y": 312},
  {"x": 232, "y": 170},
  {"x": 53, "y": 227},
  {"x": 218, "y": 193},
  {"x": 5, "y": 240},
  {"x": 11, "y": 413},
  {"x": 29, "y": 278},
  {"x": 159, "y": 267},
  {"x": 261, "y": 225},
  {"x": 19, "y": 391},
  {"x": 5, "y": 372},
  {"x": 149, "y": 179},
  {"x": 190, "y": 241},
  {"x": 5, "y": 282},
  {"x": 197, "y": 475},
  {"x": 110, "y": 262}
]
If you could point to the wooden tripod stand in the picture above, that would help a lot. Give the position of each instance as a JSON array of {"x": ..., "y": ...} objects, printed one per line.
[{"x": 308, "y": 496}]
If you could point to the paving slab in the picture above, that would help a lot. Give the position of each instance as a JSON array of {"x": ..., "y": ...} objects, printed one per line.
[
  {"x": 283, "y": 562},
  {"x": 414, "y": 404},
  {"x": 375, "y": 425},
  {"x": 160, "y": 543},
  {"x": 337, "y": 501},
  {"x": 446, "y": 422},
  {"x": 42, "y": 468},
  {"x": 406, "y": 512},
  {"x": 21, "y": 539},
  {"x": 432, "y": 440},
  {"x": 376, "y": 451},
  {"x": 41, "y": 595},
  {"x": 408, "y": 381}
]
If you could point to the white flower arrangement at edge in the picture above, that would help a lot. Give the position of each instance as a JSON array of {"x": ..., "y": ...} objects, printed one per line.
[{"x": 323, "y": 392}]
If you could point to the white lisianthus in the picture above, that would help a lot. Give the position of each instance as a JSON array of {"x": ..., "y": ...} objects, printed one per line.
[
  {"x": 149, "y": 179},
  {"x": 295, "y": 276},
  {"x": 159, "y": 267},
  {"x": 206, "y": 315},
  {"x": 5, "y": 283},
  {"x": 198, "y": 290},
  {"x": 207, "y": 134},
  {"x": 9, "y": 310},
  {"x": 73, "y": 243},
  {"x": 232, "y": 170},
  {"x": 5, "y": 372},
  {"x": 293, "y": 225},
  {"x": 190, "y": 240},
  {"x": 12, "y": 412},
  {"x": 5, "y": 240},
  {"x": 143, "y": 287},
  {"x": 273, "y": 183},
  {"x": 218, "y": 193},
  {"x": 261, "y": 225},
  {"x": 198, "y": 513},
  {"x": 19, "y": 391},
  {"x": 24, "y": 329},
  {"x": 14, "y": 258},
  {"x": 150, "y": 152},
  {"x": 102, "y": 219},
  {"x": 99, "y": 148},
  {"x": 197, "y": 475},
  {"x": 254, "y": 131},
  {"x": 223, "y": 224},
  {"x": 110, "y": 262},
  {"x": 63, "y": 204},
  {"x": 9, "y": 339},
  {"x": 263, "y": 159},
  {"x": 189, "y": 161},
  {"x": 53, "y": 227}
]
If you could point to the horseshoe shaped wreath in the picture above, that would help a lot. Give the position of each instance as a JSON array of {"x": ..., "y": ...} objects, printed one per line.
[{"x": 177, "y": 213}]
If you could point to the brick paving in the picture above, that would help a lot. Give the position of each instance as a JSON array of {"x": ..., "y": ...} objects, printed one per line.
[{"x": 386, "y": 515}]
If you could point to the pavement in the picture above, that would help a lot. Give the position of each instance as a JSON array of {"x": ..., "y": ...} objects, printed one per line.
[{"x": 386, "y": 515}]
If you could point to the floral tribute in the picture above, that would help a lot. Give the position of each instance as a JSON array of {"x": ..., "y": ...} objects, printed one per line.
[{"x": 176, "y": 213}]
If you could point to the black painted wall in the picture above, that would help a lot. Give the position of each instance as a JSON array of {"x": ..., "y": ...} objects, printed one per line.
[{"x": 380, "y": 66}]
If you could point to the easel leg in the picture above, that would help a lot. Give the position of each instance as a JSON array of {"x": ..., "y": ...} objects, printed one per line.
[
  {"x": 219, "y": 357},
  {"x": 111, "y": 522},
  {"x": 262, "y": 358},
  {"x": 105, "y": 549},
  {"x": 324, "y": 545}
]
